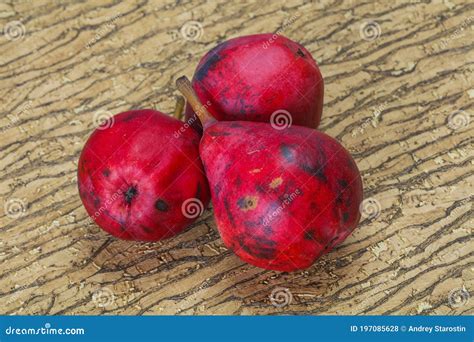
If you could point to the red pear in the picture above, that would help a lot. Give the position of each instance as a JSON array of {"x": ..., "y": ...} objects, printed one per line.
[
  {"x": 140, "y": 176},
  {"x": 262, "y": 77},
  {"x": 281, "y": 198}
]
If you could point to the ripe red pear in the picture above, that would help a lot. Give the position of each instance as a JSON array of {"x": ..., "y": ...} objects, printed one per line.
[
  {"x": 260, "y": 77},
  {"x": 140, "y": 176},
  {"x": 281, "y": 198}
]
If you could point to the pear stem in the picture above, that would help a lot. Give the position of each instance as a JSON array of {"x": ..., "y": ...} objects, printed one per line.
[
  {"x": 178, "y": 109},
  {"x": 184, "y": 86}
]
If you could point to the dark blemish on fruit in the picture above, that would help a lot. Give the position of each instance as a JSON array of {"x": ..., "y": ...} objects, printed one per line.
[
  {"x": 219, "y": 134},
  {"x": 261, "y": 251},
  {"x": 235, "y": 125},
  {"x": 238, "y": 181},
  {"x": 198, "y": 191},
  {"x": 209, "y": 64},
  {"x": 130, "y": 194},
  {"x": 267, "y": 230},
  {"x": 342, "y": 183},
  {"x": 146, "y": 229},
  {"x": 96, "y": 201},
  {"x": 229, "y": 213},
  {"x": 251, "y": 224},
  {"x": 287, "y": 153},
  {"x": 317, "y": 172},
  {"x": 161, "y": 205},
  {"x": 345, "y": 216},
  {"x": 217, "y": 190},
  {"x": 300, "y": 53},
  {"x": 259, "y": 188},
  {"x": 348, "y": 201},
  {"x": 106, "y": 172},
  {"x": 129, "y": 117},
  {"x": 247, "y": 203},
  {"x": 309, "y": 235}
]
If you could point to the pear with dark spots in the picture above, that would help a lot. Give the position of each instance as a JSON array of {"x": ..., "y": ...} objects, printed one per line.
[
  {"x": 136, "y": 172},
  {"x": 250, "y": 78},
  {"x": 299, "y": 193}
]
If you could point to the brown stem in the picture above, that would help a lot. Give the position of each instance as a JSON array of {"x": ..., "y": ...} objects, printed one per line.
[
  {"x": 185, "y": 87},
  {"x": 178, "y": 109}
]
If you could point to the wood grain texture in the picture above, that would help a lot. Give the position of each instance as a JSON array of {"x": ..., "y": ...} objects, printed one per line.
[{"x": 401, "y": 103}]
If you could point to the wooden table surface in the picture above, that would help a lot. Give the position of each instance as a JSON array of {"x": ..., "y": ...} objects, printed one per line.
[{"x": 398, "y": 94}]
